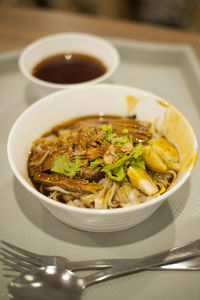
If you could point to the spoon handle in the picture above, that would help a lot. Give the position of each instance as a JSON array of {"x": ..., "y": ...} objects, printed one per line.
[
  {"x": 97, "y": 263},
  {"x": 169, "y": 256},
  {"x": 192, "y": 264}
]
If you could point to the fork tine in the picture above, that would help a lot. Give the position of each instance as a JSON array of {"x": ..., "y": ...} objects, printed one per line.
[
  {"x": 22, "y": 251},
  {"x": 14, "y": 267},
  {"x": 18, "y": 261},
  {"x": 8, "y": 272},
  {"x": 34, "y": 261}
]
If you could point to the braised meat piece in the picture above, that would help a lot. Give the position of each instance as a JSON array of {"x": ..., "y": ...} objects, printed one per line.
[
  {"x": 91, "y": 174},
  {"x": 71, "y": 184}
]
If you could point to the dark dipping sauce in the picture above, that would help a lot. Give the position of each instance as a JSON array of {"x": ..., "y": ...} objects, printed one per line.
[{"x": 67, "y": 68}]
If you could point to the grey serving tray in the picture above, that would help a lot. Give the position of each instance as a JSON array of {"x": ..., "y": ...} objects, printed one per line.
[{"x": 171, "y": 71}]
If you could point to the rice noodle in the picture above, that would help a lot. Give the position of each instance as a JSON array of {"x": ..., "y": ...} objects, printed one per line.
[
  {"x": 68, "y": 197},
  {"x": 110, "y": 195},
  {"x": 54, "y": 195},
  {"x": 76, "y": 203},
  {"x": 59, "y": 189},
  {"x": 88, "y": 200},
  {"x": 100, "y": 201},
  {"x": 127, "y": 195},
  {"x": 173, "y": 173},
  {"x": 161, "y": 183}
]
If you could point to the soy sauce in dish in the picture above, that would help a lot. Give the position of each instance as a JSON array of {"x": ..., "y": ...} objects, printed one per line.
[{"x": 66, "y": 68}]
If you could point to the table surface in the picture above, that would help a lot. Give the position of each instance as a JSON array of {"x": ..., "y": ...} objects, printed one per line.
[
  {"x": 20, "y": 26},
  {"x": 27, "y": 224}
]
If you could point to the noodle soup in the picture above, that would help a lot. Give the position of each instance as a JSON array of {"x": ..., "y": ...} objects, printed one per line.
[
  {"x": 103, "y": 162},
  {"x": 129, "y": 172}
]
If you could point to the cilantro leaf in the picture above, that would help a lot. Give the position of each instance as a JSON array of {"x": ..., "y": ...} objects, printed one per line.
[
  {"x": 73, "y": 167},
  {"x": 150, "y": 143},
  {"x": 117, "y": 174},
  {"x": 107, "y": 128},
  {"x": 138, "y": 151},
  {"x": 119, "y": 155},
  {"x": 59, "y": 164},
  {"x": 138, "y": 163},
  {"x": 131, "y": 139},
  {"x": 125, "y": 131},
  {"x": 68, "y": 168},
  {"x": 112, "y": 137},
  {"x": 122, "y": 140},
  {"x": 109, "y": 137},
  {"x": 136, "y": 159},
  {"x": 117, "y": 171},
  {"x": 119, "y": 163},
  {"x": 95, "y": 162}
]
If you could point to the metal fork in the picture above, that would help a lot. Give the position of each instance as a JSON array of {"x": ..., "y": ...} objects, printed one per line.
[{"x": 28, "y": 260}]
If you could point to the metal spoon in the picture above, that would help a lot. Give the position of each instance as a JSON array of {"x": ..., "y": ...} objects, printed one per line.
[
  {"x": 46, "y": 283},
  {"x": 53, "y": 282}
]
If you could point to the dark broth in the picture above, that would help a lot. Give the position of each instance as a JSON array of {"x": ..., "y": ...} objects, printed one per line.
[{"x": 69, "y": 68}]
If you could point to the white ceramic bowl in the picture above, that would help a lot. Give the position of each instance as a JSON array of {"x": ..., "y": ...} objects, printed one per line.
[
  {"x": 101, "y": 99},
  {"x": 67, "y": 43}
]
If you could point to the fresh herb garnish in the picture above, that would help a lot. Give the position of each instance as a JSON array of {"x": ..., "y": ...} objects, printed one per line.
[
  {"x": 138, "y": 151},
  {"x": 117, "y": 170},
  {"x": 150, "y": 143},
  {"x": 119, "y": 155},
  {"x": 136, "y": 159},
  {"x": 112, "y": 137},
  {"x": 131, "y": 139},
  {"x": 138, "y": 163},
  {"x": 109, "y": 137},
  {"x": 107, "y": 128},
  {"x": 125, "y": 131},
  {"x": 68, "y": 168},
  {"x": 95, "y": 162},
  {"x": 121, "y": 140}
]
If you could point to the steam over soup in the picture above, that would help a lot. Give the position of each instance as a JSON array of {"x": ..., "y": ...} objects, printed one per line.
[{"x": 103, "y": 162}]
